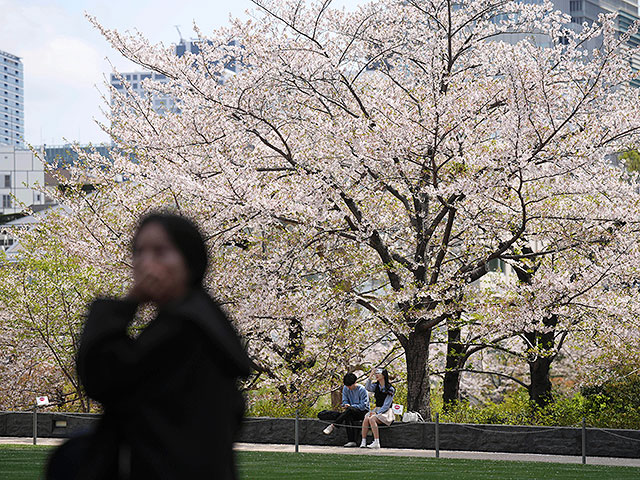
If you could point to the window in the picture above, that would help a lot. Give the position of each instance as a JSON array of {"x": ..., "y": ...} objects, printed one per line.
[
  {"x": 6, "y": 201},
  {"x": 7, "y": 181}
]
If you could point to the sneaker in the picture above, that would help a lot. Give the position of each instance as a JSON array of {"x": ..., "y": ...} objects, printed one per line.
[
  {"x": 374, "y": 445},
  {"x": 351, "y": 444},
  {"x": 363, "y": 444},
  {"x": 328, "y": 430}
]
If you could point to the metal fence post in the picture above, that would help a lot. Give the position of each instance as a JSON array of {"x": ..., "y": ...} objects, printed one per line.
[
  {"x": 297, "y": 430},
  {"x": 584, "y": 441},
  {"x": 35, "y": 424},
  {"x": 437, "y": 435}
]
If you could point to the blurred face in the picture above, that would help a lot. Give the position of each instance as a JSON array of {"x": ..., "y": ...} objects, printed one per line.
[
  {"x": 379, "y": 376},
  {"x": 160, "y": 272}
]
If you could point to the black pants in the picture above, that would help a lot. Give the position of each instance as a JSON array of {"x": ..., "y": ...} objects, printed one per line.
[{"x": 350, "y": 419}]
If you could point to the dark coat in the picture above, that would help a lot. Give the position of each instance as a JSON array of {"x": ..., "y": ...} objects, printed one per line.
[{"x": 170, "y": 397}]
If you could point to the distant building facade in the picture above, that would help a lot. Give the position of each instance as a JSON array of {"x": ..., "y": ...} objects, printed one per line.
[
  {"x": 164, "y": 103},
  {"x": 587, "y": 11},
  {"x": 11, "y": 100},
  {"x": 20, "y": 171},
  {"x": 60, "y": 156}
]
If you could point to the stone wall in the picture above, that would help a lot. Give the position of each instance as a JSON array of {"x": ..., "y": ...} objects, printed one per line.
[{"x": 484, "y": 438}]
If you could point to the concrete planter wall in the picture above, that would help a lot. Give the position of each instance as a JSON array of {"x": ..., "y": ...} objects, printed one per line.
[
  {"x": 484, "y": 438},
  {"x": 50, "y": 425}
]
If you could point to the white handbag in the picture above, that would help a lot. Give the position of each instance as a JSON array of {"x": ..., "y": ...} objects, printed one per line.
[{"x": 412, "y": 417}]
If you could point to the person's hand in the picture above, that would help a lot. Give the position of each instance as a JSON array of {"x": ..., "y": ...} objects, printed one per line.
[
  {"x": 152, "y": 283},
  {"x": 346, "y": 405}
]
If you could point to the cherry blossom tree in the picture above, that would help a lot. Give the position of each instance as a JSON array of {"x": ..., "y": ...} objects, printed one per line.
[
  {"x": 410, "y": 134},
  {"x": 586, "y": 290},
  {"x": 362, "y": 169},
  {"x": 81, "y": 251}
]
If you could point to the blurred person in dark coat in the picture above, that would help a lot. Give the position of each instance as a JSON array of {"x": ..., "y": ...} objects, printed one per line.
[{"x": 171, "y": 402}]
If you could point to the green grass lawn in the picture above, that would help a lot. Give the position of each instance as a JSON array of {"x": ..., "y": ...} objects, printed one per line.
[{"x": 26, "y": 462}]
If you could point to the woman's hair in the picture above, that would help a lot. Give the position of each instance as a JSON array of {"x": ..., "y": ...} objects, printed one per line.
[
  {"x": 186, "y": 237},
  {"x": 387, "y": 383}
]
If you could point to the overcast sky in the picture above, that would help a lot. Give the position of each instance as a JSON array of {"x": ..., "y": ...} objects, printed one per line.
[{"x": 65, "y": 58}]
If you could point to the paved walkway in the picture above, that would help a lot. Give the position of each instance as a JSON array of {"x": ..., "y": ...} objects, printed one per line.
[
  {"x": 393, "y": 452},
  {"x": 400, "y": 452}
]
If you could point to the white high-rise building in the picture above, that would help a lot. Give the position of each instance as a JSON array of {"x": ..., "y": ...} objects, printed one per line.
[{"x": 11, "y": 100}]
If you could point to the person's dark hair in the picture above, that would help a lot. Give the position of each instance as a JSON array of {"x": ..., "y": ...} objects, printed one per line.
[
  {"x": 186, "y": 237},
  {"x": 349, "y": 379},
  {"x": 387, "y": 383}
]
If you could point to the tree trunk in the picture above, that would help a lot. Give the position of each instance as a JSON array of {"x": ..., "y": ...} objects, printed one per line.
[
  {"x": 540, "y": 367},
  {"x": 336, "y": 398},
  {"x": 416, "y": 351},
  {"x": 540, "y": 389},
  {"x": 456, "y": 359}
]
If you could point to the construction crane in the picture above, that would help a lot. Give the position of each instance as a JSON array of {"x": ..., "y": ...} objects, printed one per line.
[{"x": 179, "y": 34}]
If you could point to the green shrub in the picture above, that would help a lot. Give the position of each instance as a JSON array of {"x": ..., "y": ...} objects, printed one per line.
[
  {"x": 610, "y": 406},
  {"x": 265, "y": 403},
  {"x": 614, "y": 404}
]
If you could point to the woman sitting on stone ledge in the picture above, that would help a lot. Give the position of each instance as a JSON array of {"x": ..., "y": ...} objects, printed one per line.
[{"x": 383, "y": 392}]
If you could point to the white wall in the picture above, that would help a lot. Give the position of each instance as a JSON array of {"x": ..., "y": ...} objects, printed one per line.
[{"x": 25, "y": 171}]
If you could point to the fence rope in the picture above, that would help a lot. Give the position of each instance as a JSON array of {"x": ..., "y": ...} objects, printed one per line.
[
  {"x": 94, "y": 416},
  {"x": 529, "y": 432},
  {"x": 616, "y": 435}
]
